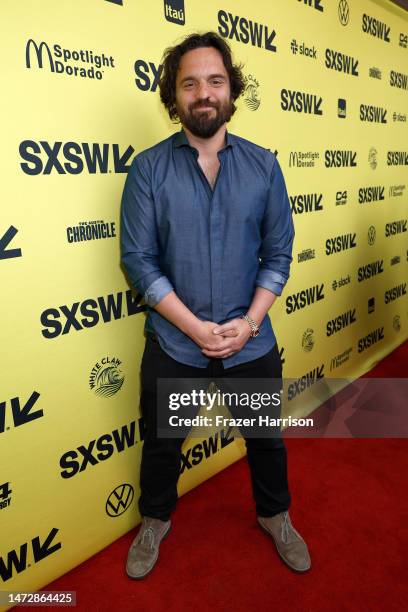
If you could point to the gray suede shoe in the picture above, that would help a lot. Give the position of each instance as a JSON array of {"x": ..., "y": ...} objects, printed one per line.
[
  {"x": 289, "y": 543},
  {"x": 144, "y": 551}
]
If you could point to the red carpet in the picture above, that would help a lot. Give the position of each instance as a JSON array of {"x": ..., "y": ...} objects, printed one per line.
[{"x": 349, "y": 502}]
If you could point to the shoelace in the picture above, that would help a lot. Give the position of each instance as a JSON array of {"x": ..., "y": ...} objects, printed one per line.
[
  {"x": 148, "y": 535},
  {"x": 288, "y": 532}
]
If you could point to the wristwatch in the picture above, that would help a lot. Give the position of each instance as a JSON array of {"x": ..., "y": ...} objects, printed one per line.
[{"x": 254, "y": 326}]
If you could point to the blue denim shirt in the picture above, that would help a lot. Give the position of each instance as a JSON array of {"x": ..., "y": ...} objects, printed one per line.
[{"x": 212, "y": 247}]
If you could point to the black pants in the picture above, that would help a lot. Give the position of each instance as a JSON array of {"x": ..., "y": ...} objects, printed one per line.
[{"x": 161, "y": 457}]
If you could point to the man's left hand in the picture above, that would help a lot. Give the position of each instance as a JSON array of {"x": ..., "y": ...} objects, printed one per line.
[{"x": 236, "y": 334}]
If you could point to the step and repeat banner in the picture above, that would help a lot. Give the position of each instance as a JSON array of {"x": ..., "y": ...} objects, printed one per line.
[{"x": 326, "y": 90}]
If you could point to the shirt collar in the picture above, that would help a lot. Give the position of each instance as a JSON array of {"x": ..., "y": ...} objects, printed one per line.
[{"x": 180, "y": 139}]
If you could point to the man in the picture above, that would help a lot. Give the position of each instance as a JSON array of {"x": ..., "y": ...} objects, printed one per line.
[{"x": 207, "y": 238}]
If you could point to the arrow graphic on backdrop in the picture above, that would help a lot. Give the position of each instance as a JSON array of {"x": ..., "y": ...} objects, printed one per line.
[{"x": 5, "y": 241}]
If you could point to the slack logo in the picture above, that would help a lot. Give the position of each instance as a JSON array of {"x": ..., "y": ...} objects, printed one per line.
[
  {"x": 301, "y": 102},
  {"x": 73, "y": 157},
  {"x": 174, "y": 11}
]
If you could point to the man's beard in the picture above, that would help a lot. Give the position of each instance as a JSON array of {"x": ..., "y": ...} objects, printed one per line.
[{"x": 204, "y": 124}]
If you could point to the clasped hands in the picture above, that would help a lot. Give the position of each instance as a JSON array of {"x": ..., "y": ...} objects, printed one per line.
[{"x": 221, "y": 341}]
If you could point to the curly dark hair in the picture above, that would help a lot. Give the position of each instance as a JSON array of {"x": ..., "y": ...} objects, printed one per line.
[{"x": 171, "y": 62}]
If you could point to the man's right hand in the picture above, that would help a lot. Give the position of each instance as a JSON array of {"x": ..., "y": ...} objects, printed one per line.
[{"x": 204, "y": 337}]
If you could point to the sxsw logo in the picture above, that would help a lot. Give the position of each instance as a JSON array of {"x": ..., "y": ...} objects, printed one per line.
[
  {"x": 370, "y": 270},
  {"x": 305, "y": 381},
  {"x": 340, "y": 243},
  {"x": 370, "y": 339},
  {"x": 79, "y": 459},
  {"x": 5, "y": 495},
  {"x": 373, "y": 114},
  {"x": 301, "y": 102},
  {"x": 338, "y": 323},
  {"x": 398, "y": 79},
  {"x": 340, "y": 159},
  {"x": 304, "y": 298},
  {"x": 246, "y": 31},
  {"x": 370, "y": 194},
  {"x": 397, "y": 158},
  {"x": 304, "y": 203},
  {"x": 316, "y": 4},
  {"x": 174, "y": 11},
  {"x": 376, "y": 28},
  {"x": 20, "y": 413},
  {"x": 5, "y": 241},
  {"x": 88, "y": 313},
  {"x": 148, "y": 75},
  {"x": 73, "y": 158},
  {"x": 396, "y": 292},
  {"x": 17, "y": 560},
  {"x": 335, "y": 60},
  {"x": 395, "y": 227},
  {"x": 203, "y": 450}
]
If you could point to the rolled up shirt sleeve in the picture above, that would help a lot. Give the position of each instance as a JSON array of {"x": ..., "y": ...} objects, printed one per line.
[
  {"x": 139, "y": 242},
  {"x": 277, "y": 236}
]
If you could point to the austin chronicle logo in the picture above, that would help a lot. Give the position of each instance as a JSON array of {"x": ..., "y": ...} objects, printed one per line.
[
  {"x": 251, "y": 93},
  {"x": 344, "y": 12},
  {"x": 119, "y": 500},
  {"x": 396, "y": 323},
  {"x": 308, "y": 340},
  {"x": 371, "y": 235},
  {"x": 106, "y": 378},
  {"x": 372, "y": 158}
]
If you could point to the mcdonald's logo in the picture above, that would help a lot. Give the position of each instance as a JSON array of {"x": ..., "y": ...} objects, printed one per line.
[{"x": 39, "y": 50}]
